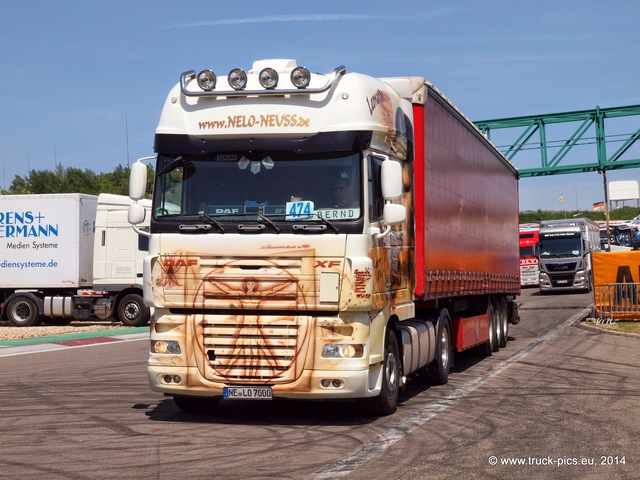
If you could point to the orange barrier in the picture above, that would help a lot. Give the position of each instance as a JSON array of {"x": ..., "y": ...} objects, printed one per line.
[{"x": 616, "y": 281}]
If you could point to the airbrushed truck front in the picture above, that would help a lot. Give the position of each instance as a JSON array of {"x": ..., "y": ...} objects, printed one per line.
[{"x": 321, "y": 237}]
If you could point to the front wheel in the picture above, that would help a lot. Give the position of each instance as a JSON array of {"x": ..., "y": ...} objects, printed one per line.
[
  {"x": 385, "y": 403},
  {"x": 132, "y": 311},
  {"x": 23, "y": 312}
]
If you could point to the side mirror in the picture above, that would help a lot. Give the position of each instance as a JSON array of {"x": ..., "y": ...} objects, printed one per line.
[
  {"x": 136, "y": 214},
  {"x": 137, "y": 181},
  {"x": 393, "y": 214},
  {"x": 391, "y": 179}
]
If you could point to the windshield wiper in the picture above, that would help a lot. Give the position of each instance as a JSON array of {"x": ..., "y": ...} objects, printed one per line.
[
  {"x": 275, "y": 227},
  {"x": 172, "y": 166},
  {"x": 301, "y": 226},
  {"x": 193, "y": 227},
  {"x": 214, "y": 222}
]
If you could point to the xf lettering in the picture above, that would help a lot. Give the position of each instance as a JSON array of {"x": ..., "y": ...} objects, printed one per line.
[{"x": 327, "y": 263}]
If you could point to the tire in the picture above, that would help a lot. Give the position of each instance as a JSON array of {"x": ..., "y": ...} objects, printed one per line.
[
  {"x": 23, "y": 311},
  {"x": 196, "y": 404},
  {"x": 132, "y": 311},
  {"x": 490, "y": 345},
  {"x": 438, "y": 370},
  {"x": 385, "y": 403},
  {"x": 514, "y": 315}
]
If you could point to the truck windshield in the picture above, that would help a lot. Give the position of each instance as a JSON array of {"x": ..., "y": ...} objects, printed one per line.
[
  {"x": 278, "y": 185},
  {"x": 560, "y": 247}
]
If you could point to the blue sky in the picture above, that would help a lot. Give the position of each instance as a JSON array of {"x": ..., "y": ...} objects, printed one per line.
[{"x": 82, "y": 82}]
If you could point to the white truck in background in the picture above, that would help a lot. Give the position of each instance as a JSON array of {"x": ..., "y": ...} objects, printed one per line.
[
  {"x": 564, "y": 252},
  {"x": 70, "y": 256}
]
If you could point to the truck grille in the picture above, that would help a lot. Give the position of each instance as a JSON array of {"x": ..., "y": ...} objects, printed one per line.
[
  {"x": 253, "y": 348},
  {"x": 561, "y": 267}
]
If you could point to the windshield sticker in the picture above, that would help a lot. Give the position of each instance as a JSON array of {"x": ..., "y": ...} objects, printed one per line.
[
  {"x": 338, "y": 213},
  {"x": 301, "y": 210}
]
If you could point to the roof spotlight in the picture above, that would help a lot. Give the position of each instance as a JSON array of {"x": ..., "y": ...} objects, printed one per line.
[
  {"x": 300, "y": 77},
  {"x": 207, "y": 80},
  {"x": 237, "y": 79},
  {"x": 268, "y": 78}
]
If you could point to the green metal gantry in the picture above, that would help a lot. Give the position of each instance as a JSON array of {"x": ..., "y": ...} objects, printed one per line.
[{"x": 583, "y": 129}]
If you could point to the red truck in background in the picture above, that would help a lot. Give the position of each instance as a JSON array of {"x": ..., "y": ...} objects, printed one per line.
[
  {"x": 529, "y": 269},
  {"x": 322, "y": 237}
]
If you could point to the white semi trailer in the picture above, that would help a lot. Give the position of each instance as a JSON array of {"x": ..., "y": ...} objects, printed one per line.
[{"x": 70, "y": 256}]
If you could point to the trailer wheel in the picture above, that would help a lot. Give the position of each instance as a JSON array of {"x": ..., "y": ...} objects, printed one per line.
[
  {"x": 490, "y": 345},
  {"x": 497, "y": 325},
  {"x": 23, "y": 312},
  {"x": 132, "y": 311},
  {"x": 196, "y": 404},
  {"x": 438, "y": 370},
  {"x": 385, "y": 403},
  {"x": 503, "y": 318}
]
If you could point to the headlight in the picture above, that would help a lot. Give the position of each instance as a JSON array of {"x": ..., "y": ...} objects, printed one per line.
[
  {"x": 336, "y": 350},
  {"x": 165, "y": 346}
]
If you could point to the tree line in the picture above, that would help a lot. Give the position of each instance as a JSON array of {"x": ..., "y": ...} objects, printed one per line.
[{"x": 75, "y": 180}]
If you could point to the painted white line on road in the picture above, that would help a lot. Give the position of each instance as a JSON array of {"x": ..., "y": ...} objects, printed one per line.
[{"x": 379, "y": 444}]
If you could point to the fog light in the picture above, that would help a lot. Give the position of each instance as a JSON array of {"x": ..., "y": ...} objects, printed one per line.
[
  {"x": 336, "y": 384},
  {"x": 207, "y": 80},
  {"x": 325, "y": 383},
  {"x": 167, "y": 379},
  {"x": 177, "y": 379},
  {"x": 268, "y": 78}
]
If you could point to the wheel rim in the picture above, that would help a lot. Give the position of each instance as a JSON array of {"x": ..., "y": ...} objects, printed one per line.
[
  {"x": 21, "y": 310},
  {"x": 390, "y": 371},
  {"x": 491, "y": 328},
  {"x": 498, "y": 323},
  {"x": 131, "y": 311},
  {"x": 444, "y": 350}
]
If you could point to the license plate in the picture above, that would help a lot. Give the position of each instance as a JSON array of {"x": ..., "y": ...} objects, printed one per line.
[
  {"x": 247, "y": 393},
  {"x": 563, "y": 281}
]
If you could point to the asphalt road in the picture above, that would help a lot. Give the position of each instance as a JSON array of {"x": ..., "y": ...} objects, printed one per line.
[{"x": 559, "y": 401}]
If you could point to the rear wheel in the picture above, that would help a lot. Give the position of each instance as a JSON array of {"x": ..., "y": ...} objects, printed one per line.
[
  {"x": 438, "y": 370},
  {"x": 503, "y": 317},
  {"x": 498, "y": 326},
  {"x": 385, "y": 403},
  {"x": 490, "y": 345},
  {"x": 23, "y": 312}
]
